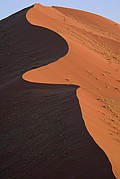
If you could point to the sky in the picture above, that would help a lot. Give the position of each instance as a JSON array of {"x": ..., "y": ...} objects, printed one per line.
[{"x": 107, "y": 8}]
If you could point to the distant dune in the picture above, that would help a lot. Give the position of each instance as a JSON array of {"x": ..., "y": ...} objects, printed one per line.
[{"x": 59, "y": 95}]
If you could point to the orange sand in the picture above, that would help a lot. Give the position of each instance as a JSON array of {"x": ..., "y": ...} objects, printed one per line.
[{"x": 92, "y": 63}]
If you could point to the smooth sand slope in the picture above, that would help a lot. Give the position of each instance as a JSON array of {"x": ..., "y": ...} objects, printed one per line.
[
  {"x": 43, "y": 134},
  {"x": 98, "y": 77}
]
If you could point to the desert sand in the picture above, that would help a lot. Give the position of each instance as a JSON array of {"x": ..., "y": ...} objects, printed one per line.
[{"x": 60, "y": 95}]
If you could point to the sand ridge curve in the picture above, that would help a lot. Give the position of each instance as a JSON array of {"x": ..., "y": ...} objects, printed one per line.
[
  {"x": 45, "y": 131},
  {"x": 97, "y": 78},
  {"x": 50, "y": 74}
]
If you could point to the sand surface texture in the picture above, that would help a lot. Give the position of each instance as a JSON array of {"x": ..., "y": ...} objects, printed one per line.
[{"x": 59, "y": 95}]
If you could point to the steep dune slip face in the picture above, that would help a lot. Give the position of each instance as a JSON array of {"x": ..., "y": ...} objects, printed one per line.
[
  {"x": 23, "y": 44},
  {"x": 98, "y": 77},
  {"x": 42, "y": 131}
]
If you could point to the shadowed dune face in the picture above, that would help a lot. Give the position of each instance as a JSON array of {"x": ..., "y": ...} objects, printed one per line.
[
  {"x": 24, "y": 46},
  {"x": 86, "y": 67},
  {"x": 43, "y": 134}
]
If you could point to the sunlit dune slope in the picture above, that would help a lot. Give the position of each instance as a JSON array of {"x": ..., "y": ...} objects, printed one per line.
[
  {"x": 42, "y": 131},
  {"x": 59, "y": 95},
  {"x": 92, "y": 63}
]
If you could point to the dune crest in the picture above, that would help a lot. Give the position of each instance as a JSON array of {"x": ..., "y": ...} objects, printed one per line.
[
  {"x": 84, "y": 66},
  {"x": 59, "y": 98}
]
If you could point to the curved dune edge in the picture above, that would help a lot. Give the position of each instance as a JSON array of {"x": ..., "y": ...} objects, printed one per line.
[
  {"x": 62, "y": 73},
  {"x": 34, "y": 143},
  {"x": 54, "y": 74}
]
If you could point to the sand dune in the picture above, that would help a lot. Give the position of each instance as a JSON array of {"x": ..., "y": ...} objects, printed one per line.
[
  {"x": 44, "y": 132},
  {"x": 97, "y": 79}
]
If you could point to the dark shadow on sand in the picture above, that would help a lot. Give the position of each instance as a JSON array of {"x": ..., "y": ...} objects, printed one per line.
[{"x": 42, "y": 132}]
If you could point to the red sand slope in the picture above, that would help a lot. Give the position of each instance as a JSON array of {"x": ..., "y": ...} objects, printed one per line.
[
  {"x": 90, "y": 38},
  {"x": 43, "y": 132}
]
